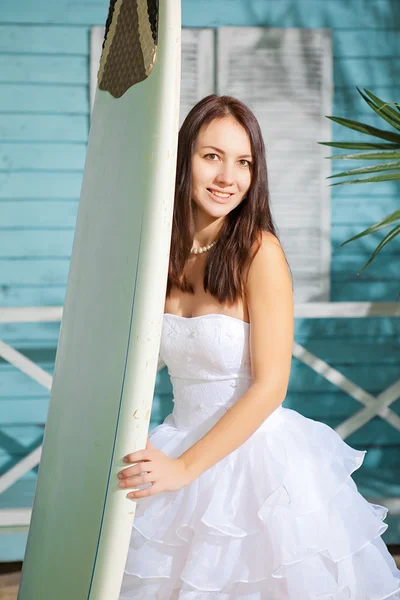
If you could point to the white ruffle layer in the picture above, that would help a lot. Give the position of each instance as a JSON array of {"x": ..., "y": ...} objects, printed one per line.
[{"x": 280, "y": 518}]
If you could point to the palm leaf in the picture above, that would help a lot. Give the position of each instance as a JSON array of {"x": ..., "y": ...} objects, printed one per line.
[
  {"x": 390, "y": 236},
  {"x": 361, "y": 145},
  {"x": 392, "y": 166},
  {"x": 384, "y": 106},
  {"x": 382, "y": 109},
  {"x": 376, "y": 179},
  {"x": 367, "y": 129},
  {"x": 385, "y": 222},
  {"x": 366, "y": 156}
]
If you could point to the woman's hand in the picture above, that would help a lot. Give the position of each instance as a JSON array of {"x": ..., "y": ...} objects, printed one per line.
[{"x": 152, "y": 465}]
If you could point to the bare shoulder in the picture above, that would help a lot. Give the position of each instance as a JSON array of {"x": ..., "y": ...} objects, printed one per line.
[{"x": 269, "y": 261}]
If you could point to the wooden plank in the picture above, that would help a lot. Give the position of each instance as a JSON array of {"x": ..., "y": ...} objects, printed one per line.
[
  {"x": 47, "y": 184},
  {"x": 347, "y": 328},
  {"x": 375, "y": 43},
  {"x": 30, "y": 271},
  {"x": 346, "y": 266},
  {"x": 39, "y": 242},
  {"x": 42, "y": 156},
  {"x": 371, "y": 72},
  {"x": 208, "y": 13},
  {"x": 38, "y": 68},
  {"x": 280, "y": 13},
  {"x": 56, "y": 213},
  {"x": 357, "y": 211},
  {"x": 356, "y": 291},
  {"x": 41, "y": 127},
  {"x": 26, "y": 410},
  {"x": 44, "y": 98},
  {"x": 44, "y": 40}
]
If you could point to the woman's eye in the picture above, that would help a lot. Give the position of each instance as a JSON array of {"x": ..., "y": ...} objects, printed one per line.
[
  {"x": 245, "y": 163},
  {"x": 214, "y": 156}
]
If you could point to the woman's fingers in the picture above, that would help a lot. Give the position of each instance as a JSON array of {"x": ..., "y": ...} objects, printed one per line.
[{"x": 131, "y": 482}]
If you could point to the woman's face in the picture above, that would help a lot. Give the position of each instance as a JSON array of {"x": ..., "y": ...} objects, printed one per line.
[{"x": 221, "y": 167}]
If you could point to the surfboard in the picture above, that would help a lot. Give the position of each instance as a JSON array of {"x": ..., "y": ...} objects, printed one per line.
[{"x": 107, "y": 353}]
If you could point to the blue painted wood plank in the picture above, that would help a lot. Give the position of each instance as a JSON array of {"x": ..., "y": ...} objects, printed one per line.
[
  {"x": 32, "y": 296},
  {"x": 379, "y": 291},
  {"x": 377, "y": 43},
  {"x": 44, "y": 98},
  {"x": 12, "y": 547},
  {"x": 37, "y": 212},
  {"x": 35, "y": 184},
  {"x": 346, "y": 328},
  {"x": 356, "y": 210},
  {"x": 39, "y": 242},
  {"x": 209, "y": 13},
  {"x": 370, "y": 72},
  {"x": 286, "y": 13},
  {"x": 25, "y": 410},
  {"x": 347, "y": 266},
  {"x": 44, "y": 39},
  {"x": 24, "y": 68},
  {"x": 36, "y": 127},
  {"x": 61, "y": 12},
  {"x": 42, "y": 156},
  {"x": 28, "y": 271},
  {"x": 31, "y": 334}
]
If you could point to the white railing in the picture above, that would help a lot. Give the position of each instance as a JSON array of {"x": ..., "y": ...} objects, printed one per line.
[{"x": 17, "y": 520}]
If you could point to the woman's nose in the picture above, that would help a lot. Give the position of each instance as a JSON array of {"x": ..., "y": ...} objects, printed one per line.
[{"x": 225, "y": 174}]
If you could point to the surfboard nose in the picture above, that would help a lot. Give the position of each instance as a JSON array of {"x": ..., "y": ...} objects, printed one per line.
[{"x": 130, "y": 45}]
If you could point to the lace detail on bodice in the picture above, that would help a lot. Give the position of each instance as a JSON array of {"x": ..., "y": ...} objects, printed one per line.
[
  {"x": 209, "y": 347},
  {"x": 208, "y": 361}
]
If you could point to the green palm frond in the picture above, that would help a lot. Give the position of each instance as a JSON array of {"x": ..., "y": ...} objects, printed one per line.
[{"x": 381, "y": 151}]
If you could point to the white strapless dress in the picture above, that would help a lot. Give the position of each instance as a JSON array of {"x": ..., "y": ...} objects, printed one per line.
[{"x": 280, "y": 518}]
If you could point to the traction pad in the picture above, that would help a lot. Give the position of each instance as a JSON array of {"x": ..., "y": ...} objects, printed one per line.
[{"x": 129, "y": 46}]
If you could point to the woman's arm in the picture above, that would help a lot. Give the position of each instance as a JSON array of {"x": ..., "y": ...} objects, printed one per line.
[{"x": 270, "y": 304}]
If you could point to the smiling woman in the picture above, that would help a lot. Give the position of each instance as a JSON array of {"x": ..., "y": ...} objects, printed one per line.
[
  {"x": 221, "y": 196},
  {"x": 239, "y": 497}
]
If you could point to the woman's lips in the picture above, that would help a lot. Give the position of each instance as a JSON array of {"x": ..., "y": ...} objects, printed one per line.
[{"x": 220, "y": 199}]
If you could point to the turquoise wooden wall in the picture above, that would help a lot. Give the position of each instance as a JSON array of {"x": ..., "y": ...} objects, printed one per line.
[{"x": 44, "y": 119}]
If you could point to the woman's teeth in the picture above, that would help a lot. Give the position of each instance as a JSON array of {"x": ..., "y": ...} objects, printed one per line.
[{"x": 220, "y": 194}]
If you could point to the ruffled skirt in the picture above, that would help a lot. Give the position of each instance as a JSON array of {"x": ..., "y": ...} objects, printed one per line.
[{"x": 280, "y": 518}]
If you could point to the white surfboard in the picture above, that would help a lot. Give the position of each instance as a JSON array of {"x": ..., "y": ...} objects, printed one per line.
[{"x": 108, "y": 347}]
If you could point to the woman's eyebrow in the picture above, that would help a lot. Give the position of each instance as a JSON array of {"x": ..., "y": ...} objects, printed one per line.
[{"x": 222, "y": 152}]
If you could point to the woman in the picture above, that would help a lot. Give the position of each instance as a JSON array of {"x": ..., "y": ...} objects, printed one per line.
[{"x": 238, "y": 497}]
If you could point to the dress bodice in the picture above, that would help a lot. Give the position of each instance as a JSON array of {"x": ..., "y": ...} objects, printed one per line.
[
  {"x": 209, "y": 347},
  {"x": 208, "y": 360}
]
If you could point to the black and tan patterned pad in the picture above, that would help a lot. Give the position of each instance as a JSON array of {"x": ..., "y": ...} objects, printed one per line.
[{"x": 130, "y": 45}]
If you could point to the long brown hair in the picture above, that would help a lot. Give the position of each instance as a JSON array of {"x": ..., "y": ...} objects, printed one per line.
[{"x": 240, "y": 234}]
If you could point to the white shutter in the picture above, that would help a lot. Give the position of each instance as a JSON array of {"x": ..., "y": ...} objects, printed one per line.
[
  {"x": 198, "y": 65},
  {"x": 285, "y": 76},
  {"x": 96, "y": 43}
]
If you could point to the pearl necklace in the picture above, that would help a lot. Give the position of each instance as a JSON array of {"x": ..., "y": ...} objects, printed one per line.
[{"x": 203, "y": 248}]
